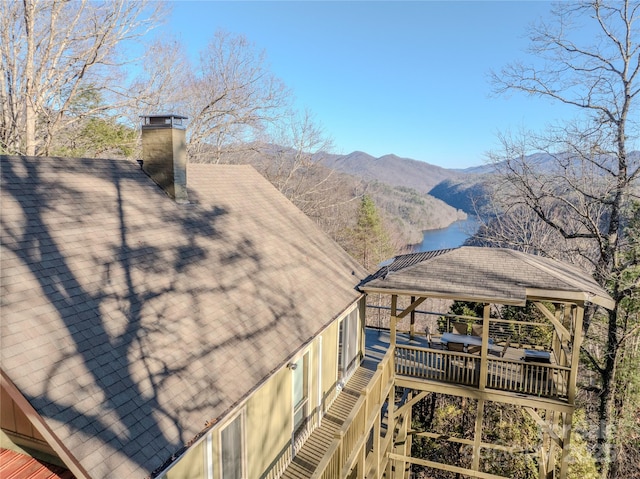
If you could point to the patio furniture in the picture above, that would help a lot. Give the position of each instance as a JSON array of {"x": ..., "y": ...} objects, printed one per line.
[
  {"x": 503, "y": 351},
  {"x": 476, "y": 330},
  {"x": 532, "y": 355},
  {"x": 460, "y": 328},
  {"x": 464, "y": 339}
]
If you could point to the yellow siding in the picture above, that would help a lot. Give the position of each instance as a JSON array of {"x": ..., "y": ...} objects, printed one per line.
[
  {"x": 268, "y": 423},
  {"x": 268, "y": 414},
  {"x": 190, "y": 466}
]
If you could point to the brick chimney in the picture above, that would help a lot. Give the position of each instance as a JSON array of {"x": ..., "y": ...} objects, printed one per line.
[{"x": 164, "y": 153}]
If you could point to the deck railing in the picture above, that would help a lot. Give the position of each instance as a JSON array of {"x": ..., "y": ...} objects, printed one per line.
[
  {"x": 446, "y": 366},
  {"x": 536, "y": 379},
  {"x": 351, "y": 439}
]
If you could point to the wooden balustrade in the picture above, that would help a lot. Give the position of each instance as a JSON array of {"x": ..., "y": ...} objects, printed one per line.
[
  {"x": 351, "y": 437},
  {"x": 447, "y": 366},
  {"x": 536, "y": 379}
]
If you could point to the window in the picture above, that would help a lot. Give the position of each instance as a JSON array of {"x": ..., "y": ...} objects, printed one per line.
[
  {"x": 231, "y": 449},
  {"x": 348, "y": 344},
  {"x": 300, "y": 394}
]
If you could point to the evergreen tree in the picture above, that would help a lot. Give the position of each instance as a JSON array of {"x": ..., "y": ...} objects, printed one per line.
[{"x": 371, "y": 243}]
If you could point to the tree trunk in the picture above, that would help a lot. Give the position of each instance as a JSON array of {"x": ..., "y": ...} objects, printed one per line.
[{"x": 29, "y": 112}]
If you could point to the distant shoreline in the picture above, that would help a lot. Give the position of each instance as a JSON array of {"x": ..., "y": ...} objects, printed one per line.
[{"x": 451, "y": 236}]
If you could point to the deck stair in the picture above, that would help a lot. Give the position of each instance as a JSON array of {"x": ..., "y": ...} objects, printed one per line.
[{"x": 305, "y": 463}]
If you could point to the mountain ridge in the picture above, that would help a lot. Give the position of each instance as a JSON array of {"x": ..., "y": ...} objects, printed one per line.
[{"x": 391, "y": 169}]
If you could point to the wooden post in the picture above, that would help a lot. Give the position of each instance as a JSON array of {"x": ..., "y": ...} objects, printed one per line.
[
  {"x": 412, "y": 323},
  {"x": 477, "y": 438},
  {"x": 566, "y": 444},
  {"x": 362, "y": 461},
  {"x": 401, "y": 449},
  {"x": 376, "y": 445},
  {"x": 551, "y": 458},
  {"x": 484, "y": 350},
  {"x": 392, "y": 321},
  {"x": 340, "y": 437},
  {"x": 578, "y": 316},
  {"x": 391, "y": 401}
]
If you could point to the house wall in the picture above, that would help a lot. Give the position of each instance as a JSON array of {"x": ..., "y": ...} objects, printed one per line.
[
  {"x": 268, "y": 422},
  {"x": 17, "y": 427},
  {"x": 191, "y": 465},
  {"x": 268, "y": 414}
]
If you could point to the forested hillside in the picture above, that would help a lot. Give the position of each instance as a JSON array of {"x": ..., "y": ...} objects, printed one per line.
[{"x": 391, "y": 169}]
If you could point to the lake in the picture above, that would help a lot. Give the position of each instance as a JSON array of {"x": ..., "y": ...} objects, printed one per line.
[{"x": 450, "y": 237}]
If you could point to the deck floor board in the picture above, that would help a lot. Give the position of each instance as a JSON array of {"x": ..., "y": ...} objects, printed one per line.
[{"x": 308, "y": 458}]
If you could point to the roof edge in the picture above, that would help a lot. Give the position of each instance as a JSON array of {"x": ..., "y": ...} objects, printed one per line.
[
  {"x": 578, "y": 297},
  {"x": 433, "y": 294},
  {"x": 43, "y": 428}
]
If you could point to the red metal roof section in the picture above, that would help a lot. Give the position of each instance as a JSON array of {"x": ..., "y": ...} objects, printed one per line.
[{"x": 14, "y": 465}]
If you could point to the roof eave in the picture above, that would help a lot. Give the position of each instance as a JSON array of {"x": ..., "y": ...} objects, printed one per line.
[
  {"x": 452, "y": 296},
  {"x": 572, "y": 296},
  {"x": 40, "y": 424}
]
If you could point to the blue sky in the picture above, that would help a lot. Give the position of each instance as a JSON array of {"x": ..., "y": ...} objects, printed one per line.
[{"x": 408, "y": 78}]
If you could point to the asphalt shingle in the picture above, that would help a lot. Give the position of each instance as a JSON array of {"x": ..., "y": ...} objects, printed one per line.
[
  {"x": 147, "y": 314},
  {"x": 483, "y": 274}
]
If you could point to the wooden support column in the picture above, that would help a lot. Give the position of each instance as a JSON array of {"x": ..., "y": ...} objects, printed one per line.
[
  {"x": 392, "y": 321},
  {"x": 402, "y": 443},
  {"x": 484, "y": 350},
  {"x": 566, "y": 444},
  {"x": 376, "y": 445},
  {"x": 391, "y": 425},
  {"x": 578, "y": 316},
  {"x": 362, "y": 460},
  {"x": 391, "y": 399},
  {"x": 551, "y": 458},
  {"x": 412, "y": 322},
  {"x": 477, "y": 438},
  {"x": 408, "y": 442}
]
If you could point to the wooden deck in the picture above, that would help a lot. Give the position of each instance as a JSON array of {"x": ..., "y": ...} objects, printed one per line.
[
  {"x": 338, "y": 443},
  {"x": 419, "y": 358},
  {"x": 307, "y": 461}
]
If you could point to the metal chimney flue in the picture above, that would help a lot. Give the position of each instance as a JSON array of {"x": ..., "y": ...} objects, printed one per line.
[{"x": 164, "y": 153}]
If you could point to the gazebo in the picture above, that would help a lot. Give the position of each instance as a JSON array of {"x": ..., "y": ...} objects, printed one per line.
[{"x": 532, "y": 364}]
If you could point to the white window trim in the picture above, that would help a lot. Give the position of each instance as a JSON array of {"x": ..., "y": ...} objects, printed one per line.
[
  {"x": 343, "y": 318},
  {"x": 243, "y": 419},
  {"x": 208, "y": 451},
  {"x": 308, "y": 387},
  {"x": 310, "y": 377}
]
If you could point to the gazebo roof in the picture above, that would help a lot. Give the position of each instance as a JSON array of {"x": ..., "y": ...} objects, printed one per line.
[{"x": 493, "y": 275}]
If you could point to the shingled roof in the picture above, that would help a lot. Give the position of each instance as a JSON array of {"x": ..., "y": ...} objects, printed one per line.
[
  {"x": 485, "y": 275},
  {"x": 129, "y": 321}
]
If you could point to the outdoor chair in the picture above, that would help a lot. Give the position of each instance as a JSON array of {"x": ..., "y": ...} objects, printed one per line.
[
  {"x": 504, "y": 348},
  {"x": 476, "y": 330},
  {"x": 473, "y": 349},
  {"x": 460, "y": 328}
]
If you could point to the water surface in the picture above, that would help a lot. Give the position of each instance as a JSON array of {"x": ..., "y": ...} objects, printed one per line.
[{"x": 450, "y": 237}]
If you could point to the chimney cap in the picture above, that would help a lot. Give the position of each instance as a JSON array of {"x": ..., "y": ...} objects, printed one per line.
[{"x": 164, "y": 120}]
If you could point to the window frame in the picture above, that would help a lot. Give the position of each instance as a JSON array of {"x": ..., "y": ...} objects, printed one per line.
[
  {"x": 241, "y": 415},
  {"x": 352, "y": 333}
]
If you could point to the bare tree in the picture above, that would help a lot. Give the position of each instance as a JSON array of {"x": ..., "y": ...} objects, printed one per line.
[
  {"x": 289, "y": 163},
  {"x": 59, "y": 60},
  {"x": 231, "y": 98},
  {"x": 581, "y": 188},
  {"x": 160, "y": 80}
]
